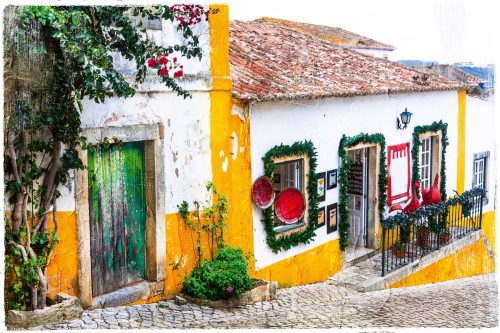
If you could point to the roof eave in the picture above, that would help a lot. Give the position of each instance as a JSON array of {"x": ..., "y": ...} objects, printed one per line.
[{"x": 284, "y": 97}]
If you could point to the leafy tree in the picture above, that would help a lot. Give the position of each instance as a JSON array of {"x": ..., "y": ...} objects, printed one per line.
[{"x": 74, "y": 47}]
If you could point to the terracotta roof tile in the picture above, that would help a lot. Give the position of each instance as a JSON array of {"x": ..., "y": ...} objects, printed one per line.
[
  {"x": 269, "y": 62},
  {"x": 331, "y": 34},
  {"x": 449, "y": 71}
]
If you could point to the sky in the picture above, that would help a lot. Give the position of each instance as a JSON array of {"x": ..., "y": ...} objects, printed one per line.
[{"x": 446, "y": 31}]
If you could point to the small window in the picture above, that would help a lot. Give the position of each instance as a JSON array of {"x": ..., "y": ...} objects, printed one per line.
[
  {"x": 426, "y": 162},
  {"x": 480, "y": 171},
  {"x": 288, "y": 174},
  {"x": 430, "y": 163}
]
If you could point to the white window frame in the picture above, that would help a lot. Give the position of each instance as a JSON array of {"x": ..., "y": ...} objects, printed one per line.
[
  {"x": 480, "y": 176},
  {"x": 479, "y": 172},
  {"x": 425, "y": 156}
]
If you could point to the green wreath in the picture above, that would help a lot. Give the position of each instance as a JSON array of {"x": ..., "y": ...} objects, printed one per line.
[
  {"x": 285, "y": 242},
  {"x": 346, "y": 142},
  {"x": 434, "y": 127}
]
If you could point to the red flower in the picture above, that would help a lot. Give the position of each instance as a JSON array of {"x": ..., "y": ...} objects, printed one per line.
[
  {"x": 151, "y": 62},
  {"x": 166, "y": 54},
  {"x": 164, "y": 71},
  {"x": 175, "y": 59},
  {"x": 178, "y": 74},
  {"x": 163, "y": 61}
]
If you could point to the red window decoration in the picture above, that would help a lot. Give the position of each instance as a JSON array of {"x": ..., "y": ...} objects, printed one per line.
[
  {"x": 290, "y": 205},
  {"x": 398, "y": 165},
  {"x": 262, "y": 192}
]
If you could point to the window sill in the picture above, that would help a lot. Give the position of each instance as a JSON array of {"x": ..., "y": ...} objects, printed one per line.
[{"x": 289, "y": 227}]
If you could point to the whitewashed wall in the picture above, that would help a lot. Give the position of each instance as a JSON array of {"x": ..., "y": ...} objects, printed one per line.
[
  {"x": 324, "y": 121},
  {"x": 186, "y": 122},
  {"x": 480, "y": 137}
]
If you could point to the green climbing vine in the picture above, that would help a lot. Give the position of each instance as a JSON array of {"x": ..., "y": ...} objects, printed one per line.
[
  {"x": 466, "y": 200},
  {"x": 75, "y": 48},
  {"x": 285, "y": 242},
  {"x": 434, "y": 127},
  {"x": 345, "y": 143}
]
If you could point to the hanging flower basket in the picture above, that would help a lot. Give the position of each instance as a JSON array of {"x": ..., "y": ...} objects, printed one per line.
[
  {"x": 262, "y": 192},
  {"x": 290, "y": 205}
]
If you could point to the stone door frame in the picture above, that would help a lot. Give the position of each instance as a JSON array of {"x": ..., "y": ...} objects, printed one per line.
[{"x": 152, "y": 135}]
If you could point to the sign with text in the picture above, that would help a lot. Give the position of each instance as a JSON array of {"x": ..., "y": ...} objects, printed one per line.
[{"x": 355, "y": 178}]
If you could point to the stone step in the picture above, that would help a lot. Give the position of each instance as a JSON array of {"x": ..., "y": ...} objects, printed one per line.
[
  {"x": 357, "y": 255},
  {"x": 365, "y": 275}
]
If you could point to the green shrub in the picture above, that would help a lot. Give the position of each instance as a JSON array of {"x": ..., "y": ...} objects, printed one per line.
[{"x": 222, "y": 278}]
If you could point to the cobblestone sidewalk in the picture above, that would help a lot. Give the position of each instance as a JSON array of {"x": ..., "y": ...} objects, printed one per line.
[{"x": 470, "y": 302}]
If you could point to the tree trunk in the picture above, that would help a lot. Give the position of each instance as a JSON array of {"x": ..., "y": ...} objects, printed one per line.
[
  {"x": 42, "y": 296},
  {"x": 34, "y": 297}
]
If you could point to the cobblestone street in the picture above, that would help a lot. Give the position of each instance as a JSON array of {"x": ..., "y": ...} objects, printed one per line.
[{"x": 470, "y": 302}]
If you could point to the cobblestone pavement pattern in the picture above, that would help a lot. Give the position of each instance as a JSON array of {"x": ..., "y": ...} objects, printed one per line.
[{"x": 470, "y": 302}]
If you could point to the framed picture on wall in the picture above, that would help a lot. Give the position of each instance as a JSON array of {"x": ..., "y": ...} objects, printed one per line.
[
  {"x": 321, "y": 216},
  {"x": 320, "y": 177},
  {"x": 331, "y": 179},
  {"x": 331, "y": 218}
]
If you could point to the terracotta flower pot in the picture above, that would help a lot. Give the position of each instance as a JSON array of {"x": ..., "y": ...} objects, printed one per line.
[
  {"x": 444, "y": 238},
  {"x": 423, "y": 237},
  {"x": 398, "y": 252}
]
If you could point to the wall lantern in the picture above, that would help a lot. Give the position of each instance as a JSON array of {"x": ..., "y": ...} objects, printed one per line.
[{"x": 405, "y": 119}]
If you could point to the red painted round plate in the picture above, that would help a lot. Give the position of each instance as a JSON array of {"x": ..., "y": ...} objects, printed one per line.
[
  {"x": 290, "y": 205},
  {"x": 262, "y": 192}
]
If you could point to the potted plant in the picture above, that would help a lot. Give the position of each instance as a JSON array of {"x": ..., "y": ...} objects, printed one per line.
[
  {"x": 444, "y": 236},
  {"x": 423, "y": 235},
  {"x": 399, "y": 249}
]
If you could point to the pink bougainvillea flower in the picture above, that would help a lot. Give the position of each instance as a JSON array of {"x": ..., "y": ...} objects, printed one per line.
[
  {"x": 164, "y": 71},
  {"x": 229, "y": 289},
  {"x": 151, "y": 62},
  {"x": 163, "y": 61}
]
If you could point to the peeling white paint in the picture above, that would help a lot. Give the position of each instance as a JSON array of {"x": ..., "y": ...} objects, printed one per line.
[
  {"x": 225, "y": 164},
  {"x": 238, "y": 111}
]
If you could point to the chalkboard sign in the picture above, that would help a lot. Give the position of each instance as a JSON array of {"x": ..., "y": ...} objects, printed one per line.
[{"x": 355, "y": 178}]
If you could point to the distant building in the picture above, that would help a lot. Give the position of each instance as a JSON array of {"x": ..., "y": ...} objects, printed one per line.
[
  {"x": 480, "y": 86},
  {"x": 335, "y": 35}
]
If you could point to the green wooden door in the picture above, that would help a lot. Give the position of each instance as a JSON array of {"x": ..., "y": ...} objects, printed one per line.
[{"x": 117, "y": 200}]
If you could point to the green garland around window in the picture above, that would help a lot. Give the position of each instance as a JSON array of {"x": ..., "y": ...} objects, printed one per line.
[
  {"x": 293, "y": 239},
  {"x": 346, "y": 142},
  {"x": 434, "y": 127}
]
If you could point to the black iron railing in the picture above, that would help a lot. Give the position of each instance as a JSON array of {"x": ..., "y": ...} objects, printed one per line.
[{"x": 406, "y": 238}]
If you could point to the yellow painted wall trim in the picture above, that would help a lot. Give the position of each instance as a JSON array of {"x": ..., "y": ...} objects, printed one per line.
[
  {"x": 231, "y": 174},
  {"x": 219, "y": 40},
  {"x": 221, "y": 83},
  {"x": 471, "y": 260},
  {"x": 314, "y": 265},
  {"x": 474, "y": 259},
  {"x": 461, "y": 141}
]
